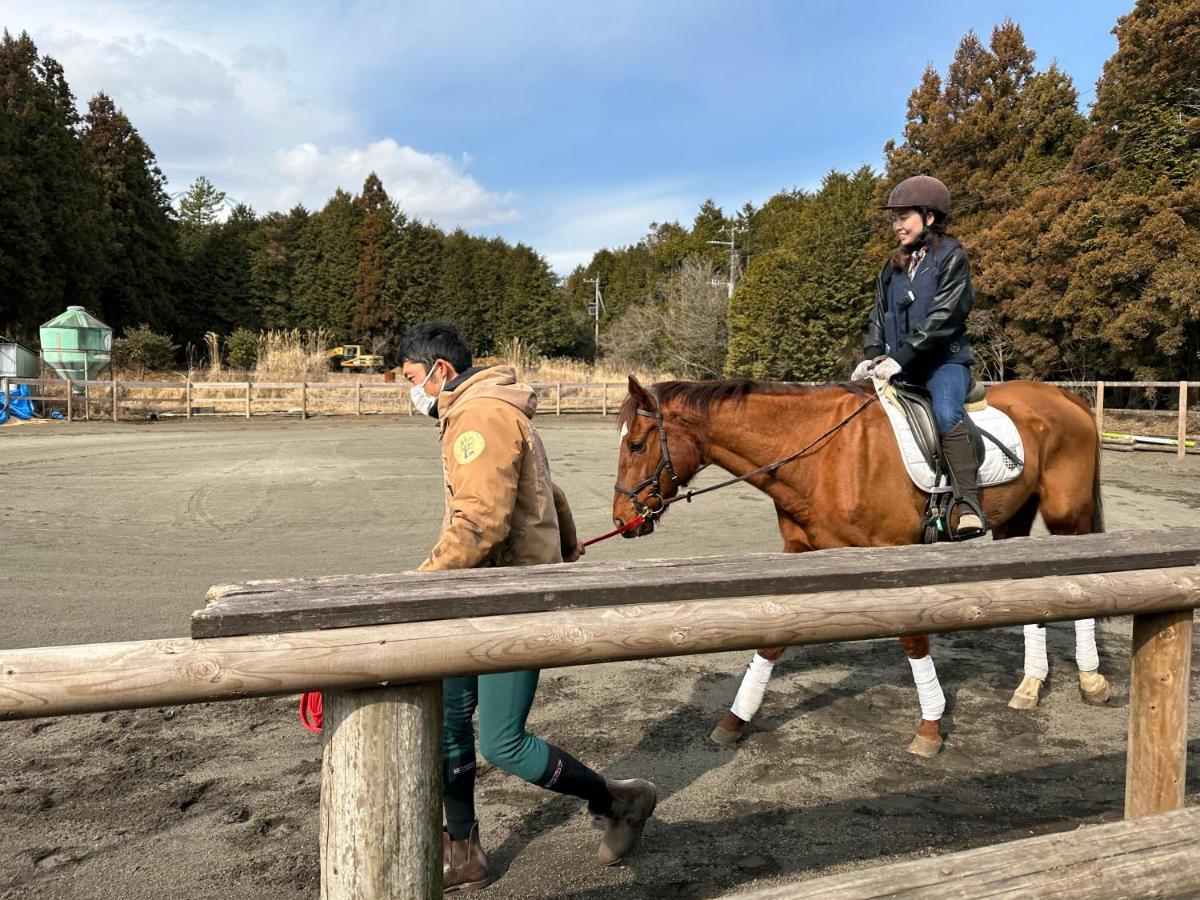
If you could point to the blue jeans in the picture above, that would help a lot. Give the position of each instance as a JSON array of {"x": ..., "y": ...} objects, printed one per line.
[{"x": 948, "y": 385}]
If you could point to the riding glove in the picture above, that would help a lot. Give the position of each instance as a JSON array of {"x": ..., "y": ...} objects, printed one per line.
[
  {"x": 885, "y": 370},
  {"x": 863, "y": 370}
]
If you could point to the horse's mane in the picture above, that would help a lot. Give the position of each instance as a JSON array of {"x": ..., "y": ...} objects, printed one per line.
[{"x": 701, "y": 396}]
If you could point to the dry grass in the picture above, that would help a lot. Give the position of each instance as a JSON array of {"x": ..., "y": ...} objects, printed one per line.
[{"x": 293, "y": 356}]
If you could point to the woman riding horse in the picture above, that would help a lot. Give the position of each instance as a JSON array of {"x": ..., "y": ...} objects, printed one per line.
[{"x": 917, "y": 330}]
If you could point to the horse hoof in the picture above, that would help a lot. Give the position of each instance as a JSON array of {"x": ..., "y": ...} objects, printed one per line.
[
  {"x": 1094, "y": 687},
  {"x": 925, "y": 747},
  {"x": 728, "y": 731},
  {"x": 1026, "y": 694}
]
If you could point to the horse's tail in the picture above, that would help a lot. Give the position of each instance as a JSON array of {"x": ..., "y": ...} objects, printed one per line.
[{"x": 1097, "y": 500}]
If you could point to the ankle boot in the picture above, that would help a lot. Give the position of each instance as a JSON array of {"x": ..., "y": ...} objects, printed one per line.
[
  {"x": 964, "y": 478},
  {"x": 464, "y": 865},
  {"x": 633, "y": 802}
]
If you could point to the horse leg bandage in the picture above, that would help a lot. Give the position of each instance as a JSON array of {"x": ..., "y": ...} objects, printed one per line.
[
  {"x": 754, "y": 684},
  {"x": 929, "y": 689},
  {"x": 1086, "y": 655},
  {"x": 1036, "y": 663}
]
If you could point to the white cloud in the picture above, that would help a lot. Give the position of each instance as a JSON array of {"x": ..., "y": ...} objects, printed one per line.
[
  {"x": 575, "y": 227},
  {"x": 428, "y": 186}
]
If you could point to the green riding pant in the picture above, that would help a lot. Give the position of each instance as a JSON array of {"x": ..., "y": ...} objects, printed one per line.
[{"x": 503, "y": 702}]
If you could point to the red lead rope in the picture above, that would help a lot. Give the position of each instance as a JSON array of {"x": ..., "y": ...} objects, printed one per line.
[{"x": 628, "y": 526}]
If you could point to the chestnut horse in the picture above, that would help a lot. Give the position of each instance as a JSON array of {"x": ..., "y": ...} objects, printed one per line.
[{"x": 851, "y": 490}]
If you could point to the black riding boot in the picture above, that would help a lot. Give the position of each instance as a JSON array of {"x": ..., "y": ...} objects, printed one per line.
[{"x": 964, "y": 478}]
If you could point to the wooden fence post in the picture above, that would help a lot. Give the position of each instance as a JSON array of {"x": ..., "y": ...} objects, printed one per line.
[
  {"x": 1183, "y": 401},
  {"x": 70, "y": 401},
  {"x": 247, "y": 399},
  {"x": 358, "y": 398},
  {"x": 303, "y": 401},
  {"x": 1156, "y": 767},
  {"x": 381, "y": 793},
  {"x": 187, "y": 398},
  {"x": 1100, "y": 408},
  {"x": 115, "y": 393},
  {"x": 87, "y": 402},
  {"x": 4, "y": 392},
  {"x": 604, "y": 399},
  {"x": 558, "y": 399}
]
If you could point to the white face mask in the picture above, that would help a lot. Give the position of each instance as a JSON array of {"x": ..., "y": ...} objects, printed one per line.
[{"x": 421, "y": 401}]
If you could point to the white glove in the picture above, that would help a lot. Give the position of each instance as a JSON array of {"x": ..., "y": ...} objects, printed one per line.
[
  {"x": 863, "y": 370},
  {"x": 886, "y": 370}
]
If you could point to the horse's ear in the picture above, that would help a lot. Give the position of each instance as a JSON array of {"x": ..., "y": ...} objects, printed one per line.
[{"x": 640, "y": 395}]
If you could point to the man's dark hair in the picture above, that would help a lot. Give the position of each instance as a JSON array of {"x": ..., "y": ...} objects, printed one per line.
[{"x": 430, "y": 341}]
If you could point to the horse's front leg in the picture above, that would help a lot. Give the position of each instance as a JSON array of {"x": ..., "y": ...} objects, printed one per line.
[
  {"x": 928, "y": 742},
  {"x": 749, "y": 697}
]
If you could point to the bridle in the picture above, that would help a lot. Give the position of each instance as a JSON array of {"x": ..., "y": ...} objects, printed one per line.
[
  {"x": 646, "y": 512},
  {"x": 654, "y": 504}
]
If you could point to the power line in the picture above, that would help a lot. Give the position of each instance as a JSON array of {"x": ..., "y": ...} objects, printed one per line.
[{"x": 732, "y": 245}]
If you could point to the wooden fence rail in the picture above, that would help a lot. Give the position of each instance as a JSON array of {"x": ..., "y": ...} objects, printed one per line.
[
  {"x": 378, "y": 646},
  {"x": 197, "y": 397}
]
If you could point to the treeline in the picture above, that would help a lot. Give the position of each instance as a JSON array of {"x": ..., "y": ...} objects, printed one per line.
[
  {"x": 1084, "y": 232},
  {"x": 85, "y": 219}
]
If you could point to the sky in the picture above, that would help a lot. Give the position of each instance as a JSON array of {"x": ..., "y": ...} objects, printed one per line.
[{"x": 569, "y": 126}]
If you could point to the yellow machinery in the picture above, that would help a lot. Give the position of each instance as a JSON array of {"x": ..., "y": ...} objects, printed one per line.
[{"x": 350, "y": 358}]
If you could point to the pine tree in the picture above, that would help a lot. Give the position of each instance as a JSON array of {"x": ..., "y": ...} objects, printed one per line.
[
  {"x": 144, "y": 254},
  {"x": 326, "y": 261},
  {"x": 55, "y": 230},
  {"x": 376, "y": 319}
]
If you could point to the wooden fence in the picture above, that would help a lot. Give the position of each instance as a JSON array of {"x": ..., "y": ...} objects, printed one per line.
[
  {"x": 115, "y": 399},
  {"x": 379, "y": 645}
]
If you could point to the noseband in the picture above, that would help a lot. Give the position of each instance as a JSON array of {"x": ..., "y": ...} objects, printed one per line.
[{"x": 654, "y": 503}]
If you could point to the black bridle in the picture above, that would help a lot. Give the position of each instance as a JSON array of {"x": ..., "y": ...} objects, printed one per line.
[{"x": 645, "y": 509}]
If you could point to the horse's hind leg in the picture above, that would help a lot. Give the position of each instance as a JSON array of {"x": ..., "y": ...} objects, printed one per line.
[
  {"x": 928, "y": 742},
  {"x": 749, "y": 697},
  {"x": 1028, "y": 692}
]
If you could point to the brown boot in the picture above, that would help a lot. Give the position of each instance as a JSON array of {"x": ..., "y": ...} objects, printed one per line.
[
  {"x": 464, "y": 865},
  {"x": 633, "y": 803}
]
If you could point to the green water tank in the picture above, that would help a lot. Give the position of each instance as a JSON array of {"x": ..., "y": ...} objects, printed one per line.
[{"x": 76, "y": 344}]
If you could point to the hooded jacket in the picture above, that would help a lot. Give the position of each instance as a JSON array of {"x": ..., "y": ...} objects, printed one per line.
[{"x": 502, "y": 509}]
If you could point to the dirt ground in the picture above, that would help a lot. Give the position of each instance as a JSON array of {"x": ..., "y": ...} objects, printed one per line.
[{"x": 114, "y": 531}]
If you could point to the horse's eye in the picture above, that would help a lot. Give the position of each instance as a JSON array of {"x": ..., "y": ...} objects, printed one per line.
[{"x": 637, "y": 446}]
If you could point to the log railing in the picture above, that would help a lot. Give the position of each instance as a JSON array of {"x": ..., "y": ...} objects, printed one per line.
[{"x": 378, "y": 646}]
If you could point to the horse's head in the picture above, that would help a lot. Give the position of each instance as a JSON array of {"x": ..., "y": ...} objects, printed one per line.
[{"x": 657, "y": 456}]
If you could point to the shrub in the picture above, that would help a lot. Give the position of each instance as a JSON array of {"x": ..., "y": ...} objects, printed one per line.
[{"x": 144, "y": 348}]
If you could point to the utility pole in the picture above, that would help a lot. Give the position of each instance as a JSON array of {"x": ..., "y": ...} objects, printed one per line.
[
  {"x": 596, "y": 309},
  {"x": 732, "y": 245}
]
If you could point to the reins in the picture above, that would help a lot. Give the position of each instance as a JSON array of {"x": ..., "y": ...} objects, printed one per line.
[{"x": 647, "y": 513}]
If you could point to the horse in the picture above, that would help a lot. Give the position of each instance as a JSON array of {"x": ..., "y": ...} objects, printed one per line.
[{"x": 850, "y": 489}]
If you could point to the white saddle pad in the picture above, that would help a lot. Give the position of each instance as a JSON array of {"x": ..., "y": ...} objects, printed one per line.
[{"x": 996, "y": 467}]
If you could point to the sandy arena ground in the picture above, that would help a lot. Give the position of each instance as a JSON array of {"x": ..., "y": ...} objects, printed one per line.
[{"x": 113, "y": 532}]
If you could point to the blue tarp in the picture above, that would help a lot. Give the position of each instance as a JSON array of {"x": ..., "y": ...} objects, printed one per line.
[{"x": 17, "y": 403}]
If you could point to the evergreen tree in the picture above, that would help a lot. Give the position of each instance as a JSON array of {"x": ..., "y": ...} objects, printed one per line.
[
  {"x": 56, "y": 232},
  {"x": 800, "y": 311},
  {"x": 144, "y": 256},
  {"x": 326, "y": 262},
  {"x": 376, "y": 319},
  {"x": 274, "y": 246}
]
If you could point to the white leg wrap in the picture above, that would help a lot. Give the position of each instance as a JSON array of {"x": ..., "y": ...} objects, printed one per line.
[
  {"x": 1036, "y": 663},
  {"x": 929, "y": 689},
  {"x": 754, "y": 684},
  {"x": 1086, "y": 655}
]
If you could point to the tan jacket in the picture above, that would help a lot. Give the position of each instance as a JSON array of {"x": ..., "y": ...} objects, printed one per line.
[{"x": 501, "y": 507}]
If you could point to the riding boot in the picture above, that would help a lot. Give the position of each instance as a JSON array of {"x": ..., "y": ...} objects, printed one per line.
[
  {"x": 464, "y": 865},
  {"x": 633, "y": 801},
  {"x": 964, "y": 478}
]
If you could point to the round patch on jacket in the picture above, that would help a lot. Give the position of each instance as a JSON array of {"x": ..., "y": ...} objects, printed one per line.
[
  {"x": 468, "y": 446},
  {"x": 954, "y": 347}
]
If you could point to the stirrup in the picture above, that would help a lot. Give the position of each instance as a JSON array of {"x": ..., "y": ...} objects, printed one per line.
[{"x": 971, "y": 532}]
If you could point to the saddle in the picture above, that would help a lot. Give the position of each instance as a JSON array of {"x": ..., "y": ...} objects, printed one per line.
[
  {"x": 916, "y": 404},
  {"x": 997, "y": 446}
]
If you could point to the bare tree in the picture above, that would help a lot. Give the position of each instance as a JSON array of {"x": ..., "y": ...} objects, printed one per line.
[{"x": 696, "y": 333}]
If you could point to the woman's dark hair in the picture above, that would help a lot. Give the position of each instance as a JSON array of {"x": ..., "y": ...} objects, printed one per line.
[
  {"x": 934, "y": 233},
  {"x": 430, "y": 341}
]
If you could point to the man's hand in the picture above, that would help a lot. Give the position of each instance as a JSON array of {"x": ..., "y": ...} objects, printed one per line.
[
  {"x": 863, "y": 370},
  {"x": 576, "y": 553},
  {"x": 886, "y": 370}
]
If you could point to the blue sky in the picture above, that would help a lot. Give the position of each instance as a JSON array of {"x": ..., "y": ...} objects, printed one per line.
[{"x": 568, "y": 126}]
